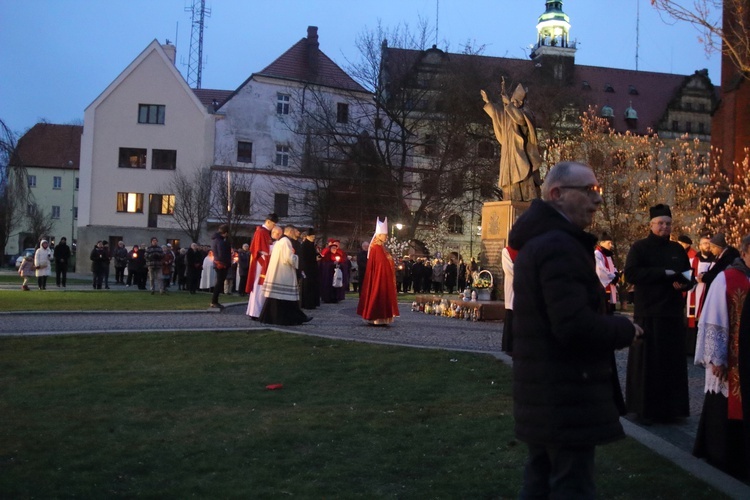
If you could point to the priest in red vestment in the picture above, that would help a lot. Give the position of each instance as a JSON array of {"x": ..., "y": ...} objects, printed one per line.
[
  {"x": 378, "y": 303},
  {"x": 260, "y": 250}
]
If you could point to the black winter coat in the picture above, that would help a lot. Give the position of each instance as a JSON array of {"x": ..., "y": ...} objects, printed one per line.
[
  {"x": 726, "y": 258},
  {"x": 645, "y": 267},
  {"x": 563, "y": 371}
]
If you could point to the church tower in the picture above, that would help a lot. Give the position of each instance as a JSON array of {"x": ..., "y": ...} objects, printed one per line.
[{"x": 554, "y": 52}]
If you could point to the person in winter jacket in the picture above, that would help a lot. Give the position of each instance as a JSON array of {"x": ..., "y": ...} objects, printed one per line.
[
  {"x": 42, "y": 261},
  {"x": 121, "y": 262},
  {"x": 566, "y": 399},
  {"x": 26, "y": 271},
  {"x": 62, "y": 257},
  {"x": 222, "y": 262},
  {"x": 154, "y": 256}
]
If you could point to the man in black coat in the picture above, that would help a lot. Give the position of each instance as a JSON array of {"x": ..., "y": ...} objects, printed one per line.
[
  {"x": 564, "y": 383},
  {"x": 308, "y": 265},
  {"x": 222, "y": 262},
  {"x": 657, "y": 383},
  {"x": 723, "y": 254},
  {"x": 62, "y": 257}
]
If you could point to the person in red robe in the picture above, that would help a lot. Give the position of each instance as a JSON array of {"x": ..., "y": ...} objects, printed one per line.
[
  {"x": 378, "y": 303},
  {"x": 332, "y": 258},
  {"x": 260, "y": 250}
]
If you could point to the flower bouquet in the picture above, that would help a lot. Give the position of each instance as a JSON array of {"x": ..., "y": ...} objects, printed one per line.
[{"x": 482, "y": 282}]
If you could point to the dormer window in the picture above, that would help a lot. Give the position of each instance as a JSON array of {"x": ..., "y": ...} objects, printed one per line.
[
  {"x": 632, "y": 90},
  {"x": 609, "y": 88},
  {"x": 607, "y": 112},
  {"x": 586, "y": 85}
]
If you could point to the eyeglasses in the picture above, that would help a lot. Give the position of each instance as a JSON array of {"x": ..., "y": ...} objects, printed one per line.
[{"x": 590, "y": 190}]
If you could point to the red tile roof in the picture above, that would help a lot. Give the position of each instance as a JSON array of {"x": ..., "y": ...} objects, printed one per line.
[
  {"x": 305, "y": 62},
  {"x": 208, "y": 96},
  {"x": 50, "y": 146}
]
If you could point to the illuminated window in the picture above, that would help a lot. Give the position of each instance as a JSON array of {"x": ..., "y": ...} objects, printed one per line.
[
  {"x": 162, "y": 204},
  {"x": 130, "y": 203}
]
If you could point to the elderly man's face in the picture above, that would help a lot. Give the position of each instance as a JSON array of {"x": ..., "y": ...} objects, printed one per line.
[
  {"x": 715, "y": 249},
  {"x": 661, "y": 226},
  {"x": 579, "y": 198}
]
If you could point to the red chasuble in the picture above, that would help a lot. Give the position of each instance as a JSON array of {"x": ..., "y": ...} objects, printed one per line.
[
  {"x": 261, "y": 243},
  {"x": 378, "y": 298},
  {"x": 737, "y": 290}
]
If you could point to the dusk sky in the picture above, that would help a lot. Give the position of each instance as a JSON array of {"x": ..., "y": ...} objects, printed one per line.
[{"x": 59, "y": 55}]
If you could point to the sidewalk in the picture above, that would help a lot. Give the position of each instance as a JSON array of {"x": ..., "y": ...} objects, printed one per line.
[{"x": 339, "y": 321}]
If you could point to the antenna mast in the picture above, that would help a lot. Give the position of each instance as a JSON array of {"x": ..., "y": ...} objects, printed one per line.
[
  {"x": 198, "y": 14},
  {"x": 637, "y": 31},
  {"x": 437, "y": 20}
]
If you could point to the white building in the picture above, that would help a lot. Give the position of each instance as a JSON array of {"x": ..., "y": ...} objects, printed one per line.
[
  {"x": 265, "y": 128},
  {"x": 146, "y": 126}
]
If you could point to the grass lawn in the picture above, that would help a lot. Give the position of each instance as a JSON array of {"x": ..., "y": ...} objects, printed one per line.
[
  {"x": 15, "y": 279},
  {"x": 182, "y": 415},
  {"x": 106, "y": 300}
]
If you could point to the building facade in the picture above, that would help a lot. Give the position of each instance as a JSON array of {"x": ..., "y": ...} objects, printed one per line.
[
  {"x": 145, "y": 127},
  {"x": 558, "y": 91},
  {"x": 50, "y": 155}
]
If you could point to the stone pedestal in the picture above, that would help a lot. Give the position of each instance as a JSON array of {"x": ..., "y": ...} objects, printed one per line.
[{"x": 497, "y": 219}]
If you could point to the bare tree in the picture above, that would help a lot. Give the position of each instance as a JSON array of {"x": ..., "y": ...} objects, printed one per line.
[
  {"x": 729, "y": 35},
  {"x": 40, "y": 223},
  {"x": 192, "y": 201},
  {"x": 231, "y": 201},
  {"x": 14, "y": 187}
]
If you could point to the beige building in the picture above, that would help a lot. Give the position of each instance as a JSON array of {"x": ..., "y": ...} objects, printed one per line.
[{"x": 143, "y": 128}]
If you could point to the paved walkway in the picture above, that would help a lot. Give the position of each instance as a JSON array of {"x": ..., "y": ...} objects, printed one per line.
[{"x": 339, "y": 321}]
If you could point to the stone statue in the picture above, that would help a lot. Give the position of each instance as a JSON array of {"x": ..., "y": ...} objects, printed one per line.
[{"x": 519, "y": 153}]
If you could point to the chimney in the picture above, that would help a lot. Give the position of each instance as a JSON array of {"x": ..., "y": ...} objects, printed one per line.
[
  {"x": 312, "y": 51},
  {"x": 171, "y": 51}
]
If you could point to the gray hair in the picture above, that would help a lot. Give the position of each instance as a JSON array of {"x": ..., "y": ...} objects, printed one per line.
[{"x": 559, "y": 175}]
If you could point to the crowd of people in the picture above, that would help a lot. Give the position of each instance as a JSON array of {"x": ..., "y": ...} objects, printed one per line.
[
  {"x": 563, "y": 295},
  {"x": 561, "y": 291}
]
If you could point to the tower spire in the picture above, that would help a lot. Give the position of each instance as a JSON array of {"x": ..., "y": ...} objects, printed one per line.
[
  {"x": 554, "y": 52},
  {"x": 553, "y": 28}
]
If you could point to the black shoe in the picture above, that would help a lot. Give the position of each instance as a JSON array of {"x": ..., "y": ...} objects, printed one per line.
[
  {"x": 216, "y": 306},
  {"x": 307, "y": 319}
]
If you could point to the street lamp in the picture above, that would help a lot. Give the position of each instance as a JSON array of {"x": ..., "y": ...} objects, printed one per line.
[{"x": 396, "y": 226}]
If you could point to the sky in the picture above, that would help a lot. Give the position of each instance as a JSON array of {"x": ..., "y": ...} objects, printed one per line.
[{"x": 57, "y": 56}]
